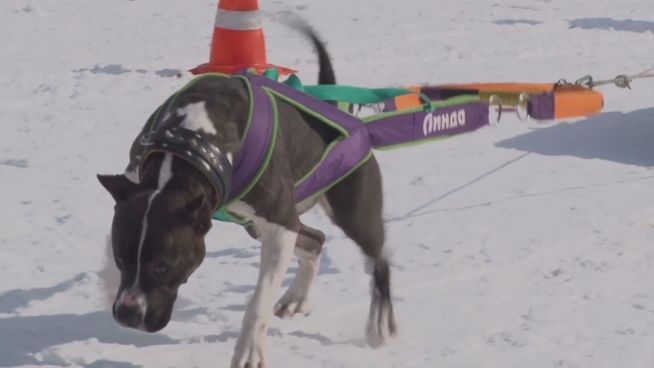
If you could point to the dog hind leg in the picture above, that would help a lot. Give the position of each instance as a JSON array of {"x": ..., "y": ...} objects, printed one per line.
[
  {"x": 307, "y": 249},
  {"x": 381, "y": 320},
  {"x": 356, "y": 207}
]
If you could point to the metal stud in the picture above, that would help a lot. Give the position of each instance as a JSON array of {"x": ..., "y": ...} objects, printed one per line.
[
  {"x": 193, "y": 142},
  {"x": 189, "y": 153},
  {"x": 168, "y": 134}
]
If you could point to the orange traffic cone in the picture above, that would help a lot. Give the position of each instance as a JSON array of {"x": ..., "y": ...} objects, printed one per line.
[{"x": 237, "y": 42}]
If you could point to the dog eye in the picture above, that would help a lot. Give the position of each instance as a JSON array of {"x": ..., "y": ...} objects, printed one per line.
[{"x": 159, "y": 269}]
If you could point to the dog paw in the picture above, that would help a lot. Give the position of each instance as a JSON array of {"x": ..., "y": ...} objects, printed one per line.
[
  {"x": 381, "y": 326},
  {"x": 291, "y": 304},
  {"x": 249, "y": 352}
]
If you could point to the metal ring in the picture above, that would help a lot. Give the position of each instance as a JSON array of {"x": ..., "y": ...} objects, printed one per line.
[
  {"x": 523, "y": 104},
  {"x": 494, "y": 100}
]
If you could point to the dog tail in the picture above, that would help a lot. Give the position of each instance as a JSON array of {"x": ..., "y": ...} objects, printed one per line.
[{"x": 326, "y": 72}]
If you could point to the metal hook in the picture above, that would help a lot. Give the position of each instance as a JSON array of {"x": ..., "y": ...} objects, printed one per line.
[
  {"x": 585, "y": 81},
  {"x": 561, "y": 82}
]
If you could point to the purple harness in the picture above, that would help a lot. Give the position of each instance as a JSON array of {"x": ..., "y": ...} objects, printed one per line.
[{"x": 351, "y": 149}]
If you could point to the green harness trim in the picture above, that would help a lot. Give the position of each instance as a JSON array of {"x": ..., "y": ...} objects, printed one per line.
[
  {"x": 343, "y": 133},
  {"x": 435, "y": 105},
  {"x": 344, "y": 96},
  {"x": 223, "y": 214},
  {"x": 273, "y": 142}
]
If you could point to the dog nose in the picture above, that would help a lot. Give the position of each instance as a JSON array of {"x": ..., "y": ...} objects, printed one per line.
[
  {"x": 128, "y": 309},
  {"x": 129, "y": 300},
  {"x": 128, "y": 316}
]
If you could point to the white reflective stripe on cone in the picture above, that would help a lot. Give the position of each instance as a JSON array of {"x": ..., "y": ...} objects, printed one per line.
[{"x": 238, "y": 20}]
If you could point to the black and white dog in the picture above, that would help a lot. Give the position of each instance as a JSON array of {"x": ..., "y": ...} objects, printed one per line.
[{"x": 164, "y": 208}]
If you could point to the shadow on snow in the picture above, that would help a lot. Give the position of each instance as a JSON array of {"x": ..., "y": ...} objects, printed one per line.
[
  {"x": 23, "y": 336},
  {"x": 626, "y": 138},
  {"x": 627, "y": 25}
]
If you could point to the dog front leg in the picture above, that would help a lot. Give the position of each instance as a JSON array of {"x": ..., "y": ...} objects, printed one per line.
[
  {"x": 276, "y": 252},
  {"x": 307, "y": 249}
]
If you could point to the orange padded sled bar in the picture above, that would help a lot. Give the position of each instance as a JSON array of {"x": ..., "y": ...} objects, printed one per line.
[
  {"x": 502, "y": 87},
  {"x": 576, "y": 101}
]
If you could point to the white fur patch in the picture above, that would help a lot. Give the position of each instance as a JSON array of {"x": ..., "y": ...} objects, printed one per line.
[
  {"x": 326, "y": 207},
  {"x": 378, "y": 328},
  {"x": 139, "y": 299},
  {"x": 166, "y": 171},
  {"x": 306, "y": 205},
  {"x": 133, "y": 175},
  {"x": 196, "y": 118},
  {"x": 166, "y": 116},
  {"x": 296, "y": 298},
  {"x": 165, "y": 174},
  {"x": 276, "y": 252}
]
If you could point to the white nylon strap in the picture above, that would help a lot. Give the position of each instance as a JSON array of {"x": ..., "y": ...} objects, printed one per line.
[{"x": 238, "y": 20}]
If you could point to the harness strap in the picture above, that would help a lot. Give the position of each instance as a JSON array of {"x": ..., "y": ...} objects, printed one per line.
[
  {"x": 451, "y": 117},
  {"x": 358, "y": 137},
  {"x": 346, "y": 122},
  {"x": 258, "y": 142}
]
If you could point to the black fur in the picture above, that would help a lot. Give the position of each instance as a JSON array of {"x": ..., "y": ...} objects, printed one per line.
[{"x": 182, "y": 216}]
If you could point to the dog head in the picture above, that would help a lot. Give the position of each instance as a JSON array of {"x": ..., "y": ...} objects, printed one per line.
[{"x": 158, "y": 241}]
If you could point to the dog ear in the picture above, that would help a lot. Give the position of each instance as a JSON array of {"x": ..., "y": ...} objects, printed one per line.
[
  {"x": 200, "y": 214},
  {"x": 118, "y": 186}
]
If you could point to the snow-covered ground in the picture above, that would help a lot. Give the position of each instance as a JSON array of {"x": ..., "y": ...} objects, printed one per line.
[{"x": 521, "y": 245}]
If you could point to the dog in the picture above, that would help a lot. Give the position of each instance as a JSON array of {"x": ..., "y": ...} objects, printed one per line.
[{"x": 164, "y": 206}]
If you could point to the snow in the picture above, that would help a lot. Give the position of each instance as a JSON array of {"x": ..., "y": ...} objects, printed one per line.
[{"x": 520, "y": 245}]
